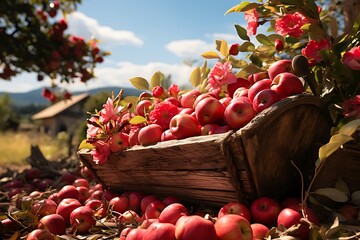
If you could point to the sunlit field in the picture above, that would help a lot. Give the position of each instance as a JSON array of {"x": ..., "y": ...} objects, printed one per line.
[{"x": 15, "y": 146}]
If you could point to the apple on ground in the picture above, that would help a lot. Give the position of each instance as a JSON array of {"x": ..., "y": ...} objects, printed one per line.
[
  {"x": 184, "y": 126},
  {"x": 235, "y": 208},
  {"x": 44, "y": 207},
  {"x": 238, "y": 113},
  {"x": 10, "y": 225},
  {"x": 280, "y": 66},
  {"x": 83, "y": 193},
  {"x": 108, "y": 195},
  {"x": 257, "y": 87},
  {"x": 65, "y": 208},
  {"x": 233, "y": 227},
  {"x": 124, "y": 232},
  {"x": 287, "y": 84},
  {"x": 68, "y": 178},
  {"x": 150, "y": 134},
  {"x": 129, "y": 217},
  {"x": 194, "y": 227},
  {"x": 145, "y": 201},
  {"x": 260, "y": 231},
  {"x": 225, "y": 100},
  {"x": 40, "y": 234},
  {"x": 171, "y": 213},
  {"x": 82, "y": 220},
  {"x": 171, "y": 199},
  {"x": 136, "y": 234},
  {"x": 160, "y": 231},
  {"x": 349, "y": 212},
  {"x": 147, "y": 222},
  {"x": 265, "y": 210},
  {"x": 54, "y": 223},
  {"x": 154, "y": 209},
  {"x": 209, "y": 110},
  {"x": 135, "y": 201},
  {"x": 68, "y": 191},
  {"x": 119, "y": 204},
  {"x": 264, "y": 99},
  {"x": 32, "y": 173},
  {"x": 81, "y": 182},
  {"x": 98, "y": 206}
]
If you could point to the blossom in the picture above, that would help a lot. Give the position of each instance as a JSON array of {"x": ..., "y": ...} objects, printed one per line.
[
  {"x": 162, "y": 113},
  {"x": 291, "y": 24},
  {"x": 313, "y": 48},
  {"x": 351, "y": 107},
  {"x": 352, "y": 58},
  {"x": 109, "y": 111},
  {"x": 174, "y": 90},
  {"x": 220, "y": 75},
  {"x": 101, "y": 152},
  {"x": 92, "y": 130},
  {"x": 252, "y": 17}
]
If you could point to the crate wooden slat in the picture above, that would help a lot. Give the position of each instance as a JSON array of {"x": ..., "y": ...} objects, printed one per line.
[{"x": 235, "y": 166}]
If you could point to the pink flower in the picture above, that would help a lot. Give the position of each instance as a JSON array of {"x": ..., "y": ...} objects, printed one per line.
[
  {"x": 291, "y": 24},
  {"x": 101, "y": 152},
  {"x": 174, "y": 90},
  {"x": 313, "y": 48},
  {"x": 92, "y": 130},
  {"x": 109, "y": 111},
  {"x": 351, "y": 107},
  {"x": 162, "y": 113},
  {"x": 252, "y": 17},
  {"x": 220, "y": 75},
  {"x": 352, "y": 58}
]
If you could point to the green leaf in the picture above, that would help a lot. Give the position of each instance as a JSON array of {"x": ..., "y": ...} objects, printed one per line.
[
  {"x": 137, "y": 120},
  {"x": 334, "y": 144},
  {"x": 273, "y": 37},
  {"x": 140, "y": 83},
  {"x": 156, "y": 79},
  {"x": 204, "y": 68},
  {"x": 85, "y": 145},
  {"x": 237, "y": 63},
  {"x": 350, "y": 128},
  {"x": 355, "y": 198},
  {"x": 256, "y": 60},
  {"x": 224, "y": 48},
  {"x": 247, "y": 47},
  {"x": 241, "y": 32},
  {"x": 261, "y": 38},
  {"x": 210, "y": 55},
  {"x": 245, "y": 6},
  {"x": 332, "y": 193},
  {"x": 342, "y": 186},
  {"x": 195, "y": 77}
]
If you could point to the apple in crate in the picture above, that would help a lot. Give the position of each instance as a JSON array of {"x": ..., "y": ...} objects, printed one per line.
[
  {"x": 194, "y": 227},
  {"x": 235, "y": 208},
  {"x": 280, "y": 66},
  {"x": 82, "y": 220},
  {"x": 239, "y": 112},
  {"x": 287, "y": 84},
  {"x": 187, "y": 99},
  {"x": 259, "y": 230},
  {"x": 257, "y": 87},
  {"x": 264, "y": 99},
  {"x": 150, "y": 134},
  {"x": 184, "y": 126},
  {"x": 209, "y": 110},
  {"x": 240, "y": 82},
  {"x": 233, "y": 227},
  {"x": 265, "y": 210}
]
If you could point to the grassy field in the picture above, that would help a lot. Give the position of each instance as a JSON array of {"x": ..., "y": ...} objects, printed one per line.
[{"x": 15, "y": 146}]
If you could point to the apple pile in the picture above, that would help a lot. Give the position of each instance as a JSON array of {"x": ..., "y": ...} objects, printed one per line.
[
  {"x": 77, "y": 205},
  {"x": 172, "y": 114}
]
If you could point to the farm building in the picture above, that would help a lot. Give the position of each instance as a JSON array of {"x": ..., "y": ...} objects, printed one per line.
[{"x": 65, "y": 115}]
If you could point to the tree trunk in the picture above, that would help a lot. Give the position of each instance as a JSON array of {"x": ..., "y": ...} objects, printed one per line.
[{"x": 351, "y": 10}]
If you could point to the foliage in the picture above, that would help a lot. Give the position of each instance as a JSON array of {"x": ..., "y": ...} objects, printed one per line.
[
  {"x": 8, "y": 118},
  {"x": 33, "y": 38}
]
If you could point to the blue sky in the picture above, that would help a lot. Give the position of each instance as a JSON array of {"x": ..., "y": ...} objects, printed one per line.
[{"x": 144, "y": 37}]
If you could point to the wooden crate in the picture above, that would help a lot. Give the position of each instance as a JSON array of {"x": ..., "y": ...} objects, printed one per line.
[{"x": 235, "y": 166}]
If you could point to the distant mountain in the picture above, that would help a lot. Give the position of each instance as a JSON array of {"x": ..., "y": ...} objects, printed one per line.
[{"x": 34, "y": 97}]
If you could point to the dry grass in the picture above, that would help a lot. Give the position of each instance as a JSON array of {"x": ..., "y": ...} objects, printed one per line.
[{"x": 15, "y": 146}]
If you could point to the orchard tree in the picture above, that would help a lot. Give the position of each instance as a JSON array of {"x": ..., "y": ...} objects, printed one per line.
[{"x": 33, "y": 38}]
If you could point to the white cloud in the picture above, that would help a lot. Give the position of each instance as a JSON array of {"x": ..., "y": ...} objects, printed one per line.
[
  {"x": 230, "y": 38},
  {"x": 189, "y": 48},
  {"x": 80, "y": 24}
]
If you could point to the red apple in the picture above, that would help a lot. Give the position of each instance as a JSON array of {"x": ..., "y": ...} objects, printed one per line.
[
  {"x": 280, "y": 66},
  {"x": 146, "y": 201},
  {"x": 209, "y": 110},
  {"x": 209, "y": 129},
  {"x": 187, "y": 99},
  {"x": 260, "y": 231},
  {"x": 118, "y": 142},
  {"x": 160, "y": 231},
  {"x": 171, "y": 213},
  {"x": 265, "y": 210},
  {"x": 135, "y": 201},
  {"x": 108, "y": 195},
  {"x": 203, "y": 96},
  {"x": 136, "y": 234},
  {"x": 222, "y": 129},
  {"x": 264, "y": 99},
  {"x": 257, "y": 87},
  {"x": 86, "y": 173},
  {"x": 194, "y": 227},
  {"x": 291, "y": 202},
  {"x": 119, "y": 204},
  {"x": 54, "y": 223},
  {"x": 287, "y": 84},
  {"x": 97, "y": 194},
  {"x": 154, "y": 209},
  {"x": 143, "y": 107},
  {"x": 98, "y": 206},
  {"x": 150, "y": 134},
  {"x": 238, "y": 113},
  {"x": 81, "y": 182},
  {"x": 10, "y": 225},
  {"x": 83, "y": 193},
  {"x": 44, "y": 184},
  {"x": 134, "y": 136},
  {"x": 65, "y": 208},
  {"x": 255, "y": 77},
  {"x": 167, "y": 135},
  {"x": 147, "y": 222},
  {"x": 233, "y": 227},
  {"x": 129, "y": 217},
  {"x": 40, "y": 234},
  {"x": 235, "y": 208},
  {"x": 68, "y": 178},
  {"x": 82, "y": 220},
  {"x": 32, "y": 173},
  {"x": 44, "y": 207},
  {"x": 124, "y": 233},
  {"x": 170, "y": 200},
  {"x": 240, "y": 82},
  {"x": 68, "y": 191},
  {"x": 241, "y": 92},
  {"x": 184, "y": 126},
  {"x": 349, "y": 212}
]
